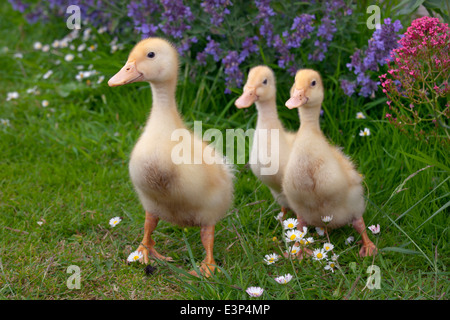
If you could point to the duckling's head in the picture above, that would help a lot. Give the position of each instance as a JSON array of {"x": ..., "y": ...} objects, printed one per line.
[
  {"x": 151, "y": 60},
  {"x": 260, "y": 86},
  {"x": 307, "y": 90}
]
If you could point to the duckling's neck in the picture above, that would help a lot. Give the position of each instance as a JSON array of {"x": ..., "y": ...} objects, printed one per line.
[
  {"x": 309, "y": 117},
  {"x": 164, "y": 106},
  {"x": 267, "y": 114}
]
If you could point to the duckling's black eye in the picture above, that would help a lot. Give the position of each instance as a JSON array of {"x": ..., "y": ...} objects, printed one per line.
[
  {"x": 265, "y": 81},
  {"x": 151, "y": 54},
  {"x": 313, "y": 83}
]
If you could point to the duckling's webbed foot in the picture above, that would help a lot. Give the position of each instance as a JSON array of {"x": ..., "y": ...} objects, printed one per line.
[
  {"x": 147, "y": 246},
  {"x": 208, "y": 264},
  {"x": 368, "y": 247}
]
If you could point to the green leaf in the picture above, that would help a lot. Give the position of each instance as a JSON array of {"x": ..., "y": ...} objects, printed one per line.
[{"x": 400, "y": 250}]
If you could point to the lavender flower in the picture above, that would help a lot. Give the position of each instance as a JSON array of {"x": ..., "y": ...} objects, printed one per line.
[
  {"x": 140, "y": 11},
  {"x": 383, "y": 41},
  {"x": 213, "y": 49},
  {"x": 217, "y": 9},
  {"x": 263, "y": 19},
  {"x": 233, "y": 75},
  {"x": 248, "y": 47}
]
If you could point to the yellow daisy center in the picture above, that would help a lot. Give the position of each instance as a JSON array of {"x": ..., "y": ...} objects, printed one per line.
[
  {"x": 327, "y": 248},
  {"x": 320, "y": 255},
  {"x": 290, "y": 225},
  {"x": 293, "y": 237},
  {"x": 135, "y": 257}
]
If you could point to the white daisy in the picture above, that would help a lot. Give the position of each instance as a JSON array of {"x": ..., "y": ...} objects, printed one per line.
[
  {"x": 320, "y": 231},
  {"x": 47, "y": 74},
  {"x": 290, "y": 223},
  {"x": 69, "y": 57},
  {"x": 319, "y": 254},
  {"x": 37, "y": 45},
  {"x": 40, "y": 223},
  {"x": 327, "y": 219},
  {"x": 92, "y": 47},
  {"x": 375, "y": 229},
  {"x": 284, "y": 279},
  {"x": 334, "y": 257},
  {"x": 115, "y": 221},
  {"x": 56, "y": 44},
  {"x": 45, "y": 103},
  {"x": 45, "y": 48},
  {"x": 5, "y": 122},
  {"x": 360, "y": 115},
  {"x": 12, "y": 95},
  {"x": 306, "y": 241},
  {"x": 279, "y": 216},
  {"x": 271, "y": 258},
  {"x": 254, "y": 291},
  {"x": 349, "y": 240},
  {"x": 294, "y": 235},
  {"x": 293, "y": 250},
  {"x": 328, "y": 246},
  {"x": 330, "y": 266},
  {"x": 81, "y": 47},
  {"x": 18, "y": 55},
  {"x": 100, "y": 79},
  {"x": 102, "y": 30},
  {"x": 364, "y": 133},
  {"x": 134, "y": 256}
]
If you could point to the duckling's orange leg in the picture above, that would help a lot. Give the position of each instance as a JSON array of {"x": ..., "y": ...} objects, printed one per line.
[
  {"x": 147, "y": 246},
  {"x": 368, "y": 247},
  {"x": 285, "y": 211},
  {"x": 301, "y": 253},
  {"x": 208, "y": 264}
]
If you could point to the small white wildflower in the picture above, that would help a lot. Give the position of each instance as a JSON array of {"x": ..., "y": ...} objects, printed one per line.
[
  {"x": 56, "y": 44},
  {"x": 271, "y": 258},
  {"x": 319, "y": 254},
  {"x": 115, "y": 221},
  {"x": 290, "y": 223},
  {"x": 40, "y": 223},
  {"x": 100, "y": 79},
  {"x": 37, "y": 45},
  {"x": 102, "y": 30},
  {"x": 12, "y": 95},
  {"x": 254, "y": 291},
  {"x": 18, "y": 55},
  {"x": 330, "y": 266},
  {"x": 92, "y": 47},
  {"x": 293, "y": 250},
  {"x": 294, "y": 235},
  {"x": 375, "y": 229},
  {"x": 45, "y": 48},
  {"x": 360, "y": 115},
  {"x": 69, "y": 57},
  {"x": 349, "y": 240},
  {"x": 47, "y": 74},
  {"x": 334, "y": 257},
  {"x": 45, "y": 103},
  {"x": 327, "y": 219},
  {"x": 320, "y": 231},
  {"x": 284, "y": 279},
  {"x": 5, "y": 122},
  {"x": 81, "y": 47},
  {"x": 328, "y": 246},
  {"x": 364, "y": 133},
  {"x": 134, "y": 256}
]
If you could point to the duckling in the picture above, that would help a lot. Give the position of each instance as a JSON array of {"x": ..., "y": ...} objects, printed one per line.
[
  {"x": 260, "y": 89},
  {"x": 319, "y": 179},
  {"x": 190, "y": 193}
]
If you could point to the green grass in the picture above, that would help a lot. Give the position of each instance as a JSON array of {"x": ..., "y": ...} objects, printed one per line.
[{"x": 67, "y": 165}]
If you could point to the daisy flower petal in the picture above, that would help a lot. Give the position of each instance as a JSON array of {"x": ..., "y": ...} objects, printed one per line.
[{"x": 254, "y": 291}]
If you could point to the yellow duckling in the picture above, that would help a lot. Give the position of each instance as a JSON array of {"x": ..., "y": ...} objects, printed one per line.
[
  {"x": 260, "y": 89},
  {"x": 186, "y": 194},
  {"x": 320, "y": 180}
]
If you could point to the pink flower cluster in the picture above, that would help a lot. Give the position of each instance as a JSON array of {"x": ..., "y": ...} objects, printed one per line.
[{"x": 417, "y": 78}]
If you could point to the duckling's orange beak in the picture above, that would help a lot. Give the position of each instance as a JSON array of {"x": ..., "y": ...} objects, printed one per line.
[
  {"x": 246, "y": 99},
  {"x": 127, "y": 74},
  {"x": 297, "y": 99}
]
